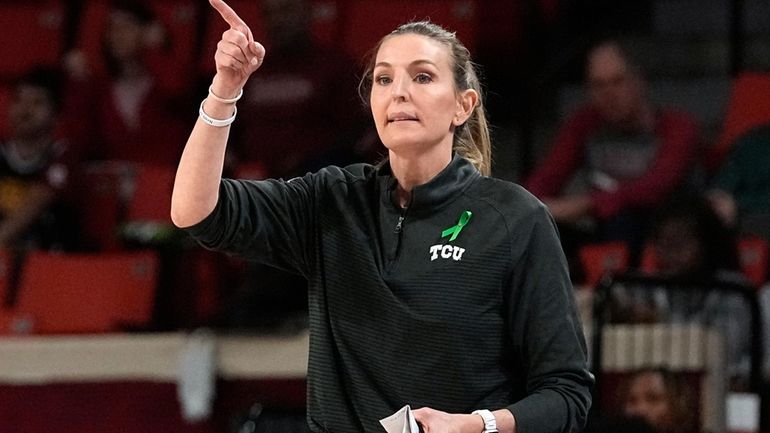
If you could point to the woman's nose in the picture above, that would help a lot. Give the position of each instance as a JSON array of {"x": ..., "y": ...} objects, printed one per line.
[{"x": 400, "y": 87}]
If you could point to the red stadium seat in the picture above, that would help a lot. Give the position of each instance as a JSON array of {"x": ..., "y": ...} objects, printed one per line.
[
  {"x": 748, "y": 108},
  {"x": 180, "y": 19},
  {"x": 501, "y": 27},
  {"x": 649, "y": 261},
  {"x": 34, "y": 35},
  {"x": 87, "y": 293},
  {"x": 102, "y": 195},
  {"x": 325, "y": 21},
  {"x": 91, "y": 27},
  {"x": 6, "y": 277},
  {"x": 366, "y": 21},
  {"x": 600, "y": 259},
  {"x": 151, "y": 200},
  {"x": 753, "y": 254},
  {"x": 7, "y": 270},
  {"x": 148, "y": 218}
]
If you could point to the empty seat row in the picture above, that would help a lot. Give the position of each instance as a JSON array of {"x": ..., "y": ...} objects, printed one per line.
[
  {"x": 121, "y": 202},
  {"x": 600, "y": 259},
  {"x": 36, "y": 34},
  {"x": 78, "y": 293}
]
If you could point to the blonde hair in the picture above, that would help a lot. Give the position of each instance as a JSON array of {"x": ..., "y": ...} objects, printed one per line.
[{"x": 471, "y": 139}]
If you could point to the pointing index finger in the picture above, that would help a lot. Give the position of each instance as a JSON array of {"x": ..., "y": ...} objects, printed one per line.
[{"x": 229, "y": 15}]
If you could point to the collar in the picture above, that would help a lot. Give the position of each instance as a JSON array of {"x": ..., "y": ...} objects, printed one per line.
[{"x": 443, "y": 188}]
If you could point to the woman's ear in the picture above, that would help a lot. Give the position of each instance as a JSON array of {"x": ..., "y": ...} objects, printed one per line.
[{"x": 466, "y": 102}]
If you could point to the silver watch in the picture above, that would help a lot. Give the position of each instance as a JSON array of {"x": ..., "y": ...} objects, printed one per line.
[{"x": 490, "y": 424}]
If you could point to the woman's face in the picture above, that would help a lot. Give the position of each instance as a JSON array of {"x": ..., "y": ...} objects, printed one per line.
[
  {"x": 413, "y": 100},
  {"x": 649, "y": 400}
]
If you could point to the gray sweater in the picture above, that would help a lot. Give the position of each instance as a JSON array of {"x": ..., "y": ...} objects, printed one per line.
[{"x": 406, "y": 310}]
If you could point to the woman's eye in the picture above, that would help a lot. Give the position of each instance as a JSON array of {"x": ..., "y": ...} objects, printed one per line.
[
  {"x": 382, "y": 80},
  {"x": 423, "y": 78}
]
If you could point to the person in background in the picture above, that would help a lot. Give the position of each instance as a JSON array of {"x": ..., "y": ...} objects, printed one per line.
[
  {"x": 430, "y": 283},
  {"x": 740, "y": 191},
  {"x": 36, "y": 169},
  {"x": 692, "y": 246},
  {"x": 740, "y": 194},
  {"x": 124, "y": 110},
  {"x": 616, "y": 158},
  {"x": 662, "y": 399},
  {"x": 691, "y": 242}
]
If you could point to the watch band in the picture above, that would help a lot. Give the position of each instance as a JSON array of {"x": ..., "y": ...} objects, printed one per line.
[{"x": 490, "y": 424}]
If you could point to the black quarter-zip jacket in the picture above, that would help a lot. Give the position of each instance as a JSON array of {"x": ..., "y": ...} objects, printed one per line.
[{"x": 401, "y": 315}]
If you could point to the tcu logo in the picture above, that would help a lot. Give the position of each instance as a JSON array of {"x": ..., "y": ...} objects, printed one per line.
[{"x": 446, "y": 252}]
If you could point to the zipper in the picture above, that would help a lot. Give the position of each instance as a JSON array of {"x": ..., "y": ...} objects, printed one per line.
[
  {"x": 398, "y": 230},
  {"x": 399, "y": 224}
]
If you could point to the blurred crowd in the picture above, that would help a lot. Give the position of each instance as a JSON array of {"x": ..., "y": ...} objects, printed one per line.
[{"x": 89, "y": 147}]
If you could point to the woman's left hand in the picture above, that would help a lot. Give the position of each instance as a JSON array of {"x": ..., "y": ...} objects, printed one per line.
[{"x": 436, "y": 421}]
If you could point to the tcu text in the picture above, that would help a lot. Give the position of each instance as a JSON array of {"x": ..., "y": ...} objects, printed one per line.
[{"x": 446, "y": 252}]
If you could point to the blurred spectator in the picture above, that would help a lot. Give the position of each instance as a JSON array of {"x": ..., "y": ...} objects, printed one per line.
[
  {"x": 691, "y": 245},
  {"x": 688, "y": 242},
  {"x": 301, "y": 110},
  {"x": 741, "y": 189},
  {"x": 126, "y": 112},
  {"x": 662, "y": 399},
  {"x": 35, "y": 170},
  {"x": 616, "y": 158},
  {"x": 122, "y": 104},
  {"x": 691, "y": 242}
]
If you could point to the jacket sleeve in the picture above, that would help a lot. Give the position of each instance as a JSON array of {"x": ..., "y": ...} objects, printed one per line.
[
  {"x": 547, "y": 335},
  {"x": 267, "y": 221}
]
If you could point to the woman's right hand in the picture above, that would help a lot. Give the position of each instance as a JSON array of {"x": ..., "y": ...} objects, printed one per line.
[{"x": 237, "y": 56}]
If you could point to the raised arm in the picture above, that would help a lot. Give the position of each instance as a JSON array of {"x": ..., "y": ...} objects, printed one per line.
[{"x": 196, "y": 188}]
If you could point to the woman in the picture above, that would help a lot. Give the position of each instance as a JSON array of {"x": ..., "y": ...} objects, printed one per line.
[{"x": 430, "y": 284}]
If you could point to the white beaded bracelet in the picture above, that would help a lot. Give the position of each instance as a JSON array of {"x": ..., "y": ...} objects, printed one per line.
[
  {"x": 219, "y": 123},
  {"x": 223, "y": 100}
]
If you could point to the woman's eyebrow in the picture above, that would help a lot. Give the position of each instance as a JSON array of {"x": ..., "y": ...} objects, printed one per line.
[{"x": 416, "y": 62}]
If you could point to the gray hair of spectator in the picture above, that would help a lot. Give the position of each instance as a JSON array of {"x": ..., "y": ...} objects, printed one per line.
[{"x": 471, "y": 139}]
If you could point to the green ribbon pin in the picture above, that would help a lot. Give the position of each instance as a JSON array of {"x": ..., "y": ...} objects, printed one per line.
[{"x": 455, "y": 230}]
